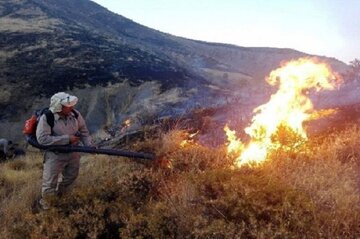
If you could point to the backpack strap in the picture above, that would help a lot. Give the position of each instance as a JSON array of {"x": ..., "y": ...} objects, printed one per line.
[
  {"x": 76, "y": 114},
  {"x": 50, "y": 118}
]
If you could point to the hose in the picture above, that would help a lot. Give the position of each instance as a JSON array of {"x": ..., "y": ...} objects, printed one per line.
[{"x": 85, "y": 149}]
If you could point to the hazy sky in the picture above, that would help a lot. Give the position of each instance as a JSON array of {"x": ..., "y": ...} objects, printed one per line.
[{"x": 321, "y": 27}]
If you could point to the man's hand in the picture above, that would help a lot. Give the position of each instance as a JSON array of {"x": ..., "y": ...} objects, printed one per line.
[{"x": 74, "y": 139}]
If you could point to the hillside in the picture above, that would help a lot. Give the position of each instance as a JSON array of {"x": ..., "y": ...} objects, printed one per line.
[{"x": 120, "y": 69}]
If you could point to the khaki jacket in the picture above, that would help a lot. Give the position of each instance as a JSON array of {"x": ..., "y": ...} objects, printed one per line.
[{"x": 63, "y": 128}]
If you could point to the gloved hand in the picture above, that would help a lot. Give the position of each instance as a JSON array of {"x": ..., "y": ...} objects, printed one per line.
[{"x": 74, "y": 139}]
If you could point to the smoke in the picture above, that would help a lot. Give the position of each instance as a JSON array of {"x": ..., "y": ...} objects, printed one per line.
[{"x": 347, "y": 94}]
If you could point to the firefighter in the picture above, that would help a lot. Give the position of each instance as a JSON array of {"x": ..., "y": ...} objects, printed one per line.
[
  {"x": 69, "y": 127},
  {"x": 4, "y": 147}
]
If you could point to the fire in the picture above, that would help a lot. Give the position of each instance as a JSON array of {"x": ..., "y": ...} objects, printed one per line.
[
  {"x": 289, "y": 107},
  {"x": 189, "y": 139},
  {"x": 235, "y": 146},
  {"x": 322, "y": 113},
  {"x": 126, "y": 124}
]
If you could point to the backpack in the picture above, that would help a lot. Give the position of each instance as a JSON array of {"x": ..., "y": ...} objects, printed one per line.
[{"x": 31, "y": 123}]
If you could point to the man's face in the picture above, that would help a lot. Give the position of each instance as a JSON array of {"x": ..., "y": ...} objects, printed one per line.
[{"x": 66, "y": 110}]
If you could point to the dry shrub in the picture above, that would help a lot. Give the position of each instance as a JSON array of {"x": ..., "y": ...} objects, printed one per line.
[
  {"x": 327, "y": 172},
  {"x": 186, "y": 155},
  {"x": 156, "y": 221},
  {"x": 313, "y": 193},
  {"x": 104, "y": 198},
  {"x": 20, "y": 186},
  {"x": 43, "y": 226},
  {"x": 224, "y": 203},
  {"x": 17, "y": 165},
  {"x": 257, "y": 204},
  {"x": 96, "y": 168}
]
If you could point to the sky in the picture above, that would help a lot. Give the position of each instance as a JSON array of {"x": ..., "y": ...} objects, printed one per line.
[{"x": 321, "y": 27}]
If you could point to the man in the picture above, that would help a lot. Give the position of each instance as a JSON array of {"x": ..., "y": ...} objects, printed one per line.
[
  {"x": 69, "y": 128},
  {"x": 4, "y": 147}
]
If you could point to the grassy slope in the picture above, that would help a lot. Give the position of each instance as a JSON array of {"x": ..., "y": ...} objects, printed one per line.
[{"x": 311, "y": 194}]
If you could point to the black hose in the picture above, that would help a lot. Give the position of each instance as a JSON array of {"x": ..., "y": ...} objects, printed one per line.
[{"x": 84, "y": 149}]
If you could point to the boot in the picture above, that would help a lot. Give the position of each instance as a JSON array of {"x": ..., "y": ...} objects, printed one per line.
[
  {"x": 44, "y": 205},
  {"x": 47, "y": 201}
]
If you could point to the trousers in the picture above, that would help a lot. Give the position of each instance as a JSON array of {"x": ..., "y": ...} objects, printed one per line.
[{"x": 59, "y": 173}]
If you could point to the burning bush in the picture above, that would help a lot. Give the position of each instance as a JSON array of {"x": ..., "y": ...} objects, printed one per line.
[{"x": 282, "y": 117}]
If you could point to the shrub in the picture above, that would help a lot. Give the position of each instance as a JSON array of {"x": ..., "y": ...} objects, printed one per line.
[{"x": 313, "y": 193}]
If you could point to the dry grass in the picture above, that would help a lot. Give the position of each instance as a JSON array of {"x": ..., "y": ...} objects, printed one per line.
[
  {"x": 312, "y": 194},
  {"x": 39, "y": 24},
  {"x": 19, "y": 186}
]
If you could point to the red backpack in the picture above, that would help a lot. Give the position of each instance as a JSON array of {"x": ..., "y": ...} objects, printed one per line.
[{"x": 32, "y": 122}]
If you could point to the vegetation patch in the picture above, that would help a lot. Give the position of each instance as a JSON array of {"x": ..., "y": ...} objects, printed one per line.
[{"x": 198, "y": 194}]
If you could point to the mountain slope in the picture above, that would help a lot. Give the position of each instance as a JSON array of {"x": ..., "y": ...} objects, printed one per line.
[
  {"x": 59, "y": 54},
  {"x": 65, "y": 45}
]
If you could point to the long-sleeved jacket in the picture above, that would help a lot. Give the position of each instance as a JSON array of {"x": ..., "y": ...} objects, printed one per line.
[{"x": 63, "y": 128}]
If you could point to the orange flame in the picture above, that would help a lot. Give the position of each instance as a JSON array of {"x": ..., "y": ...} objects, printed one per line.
[
  {"x": 126, "y": 124},
  {"x": 322, "y": 113},
  {"x": 235, "y": 146},
  {"x": 289, "y": 106},
  {"x": 189, "y": 139}
]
